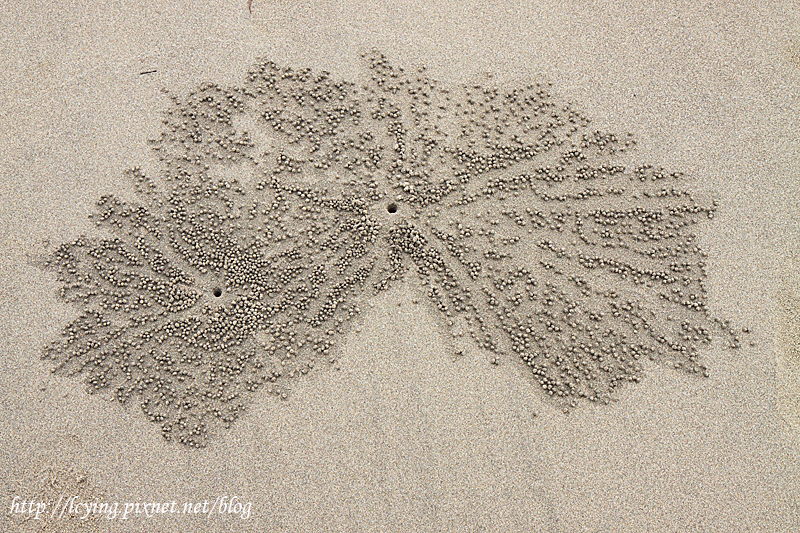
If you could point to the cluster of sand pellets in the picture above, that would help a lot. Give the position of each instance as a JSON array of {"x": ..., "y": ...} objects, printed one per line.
[{"x": 285, "y": 203}]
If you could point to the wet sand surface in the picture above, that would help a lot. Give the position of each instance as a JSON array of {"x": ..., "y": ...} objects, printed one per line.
[{"x": 400, "y": 434}]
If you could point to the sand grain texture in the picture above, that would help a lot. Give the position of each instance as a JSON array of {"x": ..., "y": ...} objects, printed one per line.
[{"x": 399, "y": 435}]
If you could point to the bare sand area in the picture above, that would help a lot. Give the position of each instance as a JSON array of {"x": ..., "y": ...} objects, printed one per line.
[{"x": 413, "y": 426}]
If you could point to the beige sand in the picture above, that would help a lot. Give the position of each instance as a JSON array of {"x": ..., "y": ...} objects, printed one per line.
[{"x": 402, "y": 438}]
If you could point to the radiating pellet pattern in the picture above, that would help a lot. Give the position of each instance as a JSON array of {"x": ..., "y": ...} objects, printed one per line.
[{"x": 283, "y": 204}]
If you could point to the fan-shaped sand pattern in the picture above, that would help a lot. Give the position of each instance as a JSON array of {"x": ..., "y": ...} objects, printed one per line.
[{"x": 288, "y": 201}]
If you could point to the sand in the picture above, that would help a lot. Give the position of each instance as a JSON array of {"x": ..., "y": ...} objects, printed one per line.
[{"x": 401, "y": 437}]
